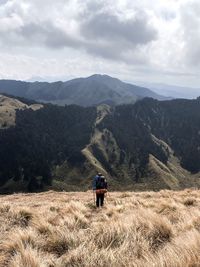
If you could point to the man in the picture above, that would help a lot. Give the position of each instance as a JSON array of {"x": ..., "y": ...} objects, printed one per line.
[{"x": 100, "y": 187}]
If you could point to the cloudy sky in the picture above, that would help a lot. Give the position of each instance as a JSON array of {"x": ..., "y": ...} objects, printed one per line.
[{"x": 140, "y": 40}]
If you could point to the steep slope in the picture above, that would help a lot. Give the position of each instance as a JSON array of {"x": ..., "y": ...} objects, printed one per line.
[
  {"x": 41, "y": 141},
  {"x": 142, "y": 146},
  {"x": 102, "y": 112},
  {"x": 149, "y": 145},
  {"x": 157, "y": 143},
  {"x": 8, "y": 107},
  {"x": 94, "y": 90}
]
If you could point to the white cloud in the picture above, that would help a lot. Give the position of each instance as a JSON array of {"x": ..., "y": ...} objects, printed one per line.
[
  {"x": 149, "y": 40},
  {"x": 190, "y": 20}
]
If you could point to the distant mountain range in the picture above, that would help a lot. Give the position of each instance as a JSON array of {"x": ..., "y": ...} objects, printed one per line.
[
  {"x": 91, "y": 91},
  {"x": 172, "y": 91},
  {"x": 149, "y": 145}
]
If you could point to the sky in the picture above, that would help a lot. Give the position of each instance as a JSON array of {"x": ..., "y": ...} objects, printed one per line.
[{"x": 156, "y": 41}]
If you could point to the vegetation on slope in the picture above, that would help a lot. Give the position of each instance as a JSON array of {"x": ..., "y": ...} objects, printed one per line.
[
  {"x": 176, "y": 122},
  {"x": 133, "y": 229},
  {"x": 140, "y": 146},
  {"x": 94, "y": 90},
  {"x": 42, "y": 139},
  {"x": 8, "y": 107}
]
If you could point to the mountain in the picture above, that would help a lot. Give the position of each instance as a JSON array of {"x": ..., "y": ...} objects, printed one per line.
[
  {"x": 172, "y": 90},
  {"x": 42, "y": 140},
  {"x": 157, "y": 142},
  {"x": 149, "y": 145},
  {"x": 91, "y": 91},
  {"x": 8, "y": 108}
]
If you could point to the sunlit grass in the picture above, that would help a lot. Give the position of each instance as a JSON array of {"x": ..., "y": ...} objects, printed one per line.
[{"x": 133, "y": 229}]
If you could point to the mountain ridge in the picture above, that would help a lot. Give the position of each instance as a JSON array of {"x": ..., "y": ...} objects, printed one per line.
[
  {"x": 90, "y": 91},
  {"x": 173, "y": 91},
  {"x": 149, "y": 145}
]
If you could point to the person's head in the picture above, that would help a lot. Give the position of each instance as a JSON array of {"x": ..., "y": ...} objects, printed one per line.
[{"x": 99, "y": 174}]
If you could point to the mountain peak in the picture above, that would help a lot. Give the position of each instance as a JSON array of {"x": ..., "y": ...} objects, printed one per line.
[{"x": 101, "y": 77}]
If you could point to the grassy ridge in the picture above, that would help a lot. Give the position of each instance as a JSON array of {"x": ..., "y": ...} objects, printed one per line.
[{"x": 133, "y": 229}]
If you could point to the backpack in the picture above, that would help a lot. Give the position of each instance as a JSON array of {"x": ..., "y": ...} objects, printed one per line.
[{"x": 100, "y": 183}]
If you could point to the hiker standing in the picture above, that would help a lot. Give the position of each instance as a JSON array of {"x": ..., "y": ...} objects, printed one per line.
[{"x": 100, "y": 187}]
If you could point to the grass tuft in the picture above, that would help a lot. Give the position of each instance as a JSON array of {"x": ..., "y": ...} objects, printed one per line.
[
  {"x": 189, "y": 202},
  {"x": 144, "y": 229}
]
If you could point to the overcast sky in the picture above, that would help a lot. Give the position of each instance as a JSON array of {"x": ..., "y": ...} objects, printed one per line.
[{"x": 140, "y": 40}]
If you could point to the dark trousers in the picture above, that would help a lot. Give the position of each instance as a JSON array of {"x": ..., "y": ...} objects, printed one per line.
[{"x": 99, "y": 199}]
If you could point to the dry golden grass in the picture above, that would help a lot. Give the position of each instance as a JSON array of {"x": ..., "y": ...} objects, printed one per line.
[{"x": 133, "y": 229}]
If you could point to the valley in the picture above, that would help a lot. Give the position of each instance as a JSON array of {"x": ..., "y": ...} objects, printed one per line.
[{"x": 149, "y": 145}]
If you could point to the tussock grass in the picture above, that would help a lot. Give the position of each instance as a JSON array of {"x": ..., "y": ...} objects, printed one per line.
[
  {"x": 189, "y": 202},
  {"x": 133, "y": 229}
]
